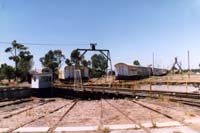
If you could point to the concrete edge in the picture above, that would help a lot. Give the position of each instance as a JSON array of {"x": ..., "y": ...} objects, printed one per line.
[{"x": 31, "y": 130}]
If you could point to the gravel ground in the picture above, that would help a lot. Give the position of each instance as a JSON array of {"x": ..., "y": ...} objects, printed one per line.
[
  {"x": 85, "y": 113},
  {"x": 112, "y": 116}
]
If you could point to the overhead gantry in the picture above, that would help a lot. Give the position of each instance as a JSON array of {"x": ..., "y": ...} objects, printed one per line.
[{"x": 104, "y": 52}]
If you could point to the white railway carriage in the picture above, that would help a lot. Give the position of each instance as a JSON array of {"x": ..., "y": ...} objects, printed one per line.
[
  {"x": 128, "y": 72},
  {"x": 68, "y": 72},
  {"x": 131, "y": 72}
]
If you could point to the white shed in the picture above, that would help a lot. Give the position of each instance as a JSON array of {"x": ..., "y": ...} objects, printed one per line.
[
  {"x": 67, "y": 72},
  {"x": 42, "y": 80}
]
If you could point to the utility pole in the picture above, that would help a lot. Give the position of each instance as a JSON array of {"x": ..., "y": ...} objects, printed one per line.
[
  {"x": 153, "y": 63},
  {"x": 14, "y": 44},
  {"x": 188, "y": 63},
  {"x": 188, "y": 60}
]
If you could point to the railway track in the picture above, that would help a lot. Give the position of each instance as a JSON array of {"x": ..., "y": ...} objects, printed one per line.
[
  {"x": 187, "y": 102},
  {"x": 16, "y": 102},
  {"x": 191, "y": 101},
  {"x": 62, "y": 116},
  {"x": 26, "y": 109},
  {"x": 14, "y": 107},
  {"x": 129, "y": 118},
  {"x": 170, "y": 116},
  {"x": 131, "y": 91},
  {"x": 122, "y": 111},
  {"x": 46, "y": 114},
  {"x": 146, "y": 93}
]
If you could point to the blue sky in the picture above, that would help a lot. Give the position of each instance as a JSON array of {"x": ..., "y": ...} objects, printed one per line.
[{"x": 130, "y": 29}]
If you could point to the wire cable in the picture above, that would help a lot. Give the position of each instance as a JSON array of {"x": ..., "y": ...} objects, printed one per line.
[{"x": 43, "y": 44}]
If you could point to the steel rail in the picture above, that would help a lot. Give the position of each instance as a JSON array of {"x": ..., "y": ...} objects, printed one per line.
[
  {"x": 129, "y": 118},
  {"x": 42, "y": 116},
  {"x": 162, "y": 113},
  {"x": 62, "y": 117}
]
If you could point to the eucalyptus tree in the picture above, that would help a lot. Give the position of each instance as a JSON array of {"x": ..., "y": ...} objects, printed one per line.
[
  {"x": 136, "y": 62},
  {"x": 6, "y": 72},
  {"x": 99, "y": 65},
  {"x": 68, "y": 62},
  {"x": 22, "y": 58},
  {"x": 53, "y": 60},
  {"x": 76, "y": 57}
]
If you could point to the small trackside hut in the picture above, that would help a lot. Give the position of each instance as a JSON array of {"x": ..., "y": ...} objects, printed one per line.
[{"x": 41, "y": 80}]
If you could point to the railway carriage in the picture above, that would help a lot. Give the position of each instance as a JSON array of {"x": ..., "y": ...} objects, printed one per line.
[
  {"x": 133, "y": 72},
  {"x": 128, "y": 72}
]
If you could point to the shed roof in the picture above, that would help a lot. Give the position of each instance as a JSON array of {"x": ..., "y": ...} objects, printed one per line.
[{"x": 42, "y": 74}]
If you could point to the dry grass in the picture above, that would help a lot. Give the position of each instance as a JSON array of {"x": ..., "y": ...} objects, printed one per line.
[
  {"x": 163, "y": 98},
  {"x": 102, "y": 129},
  {"x": 154, "y": 125},
  {"x": 177, "y": 132},
  {"x": 190, "y": 114}
]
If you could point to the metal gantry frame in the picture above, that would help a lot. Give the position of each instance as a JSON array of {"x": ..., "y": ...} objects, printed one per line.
[
  {"x": 176, "y": 63},
  {"x": 104, "y": 52}
]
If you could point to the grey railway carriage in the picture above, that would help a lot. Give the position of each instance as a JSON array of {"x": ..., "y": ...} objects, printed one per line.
[
  {"x": 68, "y": 72},
  {"x": 132, "y": 72}
]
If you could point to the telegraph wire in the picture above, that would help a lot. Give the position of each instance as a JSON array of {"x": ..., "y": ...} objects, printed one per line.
[{"x": 44, "y": 44}]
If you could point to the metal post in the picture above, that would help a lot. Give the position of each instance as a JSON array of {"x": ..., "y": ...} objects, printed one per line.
[
  {"x": 150, "y": 88},
  {"x": 188, "y": 60},
  {"x": 110, "y": 62},
  {"x": 153, "y": 63},
  {"x": 188, "y": 63}
]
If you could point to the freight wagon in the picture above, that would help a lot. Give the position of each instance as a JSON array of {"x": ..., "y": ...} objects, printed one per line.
[{"x": 133, "y": 72}]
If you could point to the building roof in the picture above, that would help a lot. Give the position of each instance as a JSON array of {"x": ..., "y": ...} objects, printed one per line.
[{"x": 42, "y": 74}]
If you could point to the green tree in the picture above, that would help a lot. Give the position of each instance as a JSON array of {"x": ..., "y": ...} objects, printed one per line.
[
  {"x": 99, "y": 65},
  {"x": 22, "y": 58},
  {"x": 1, "y": 74},
  {"x": 136, "y": 62},
  {"x": 52, "y": 60},
  {"x": 76, "y": 57},
  {"x": 7, "y": 72},
  {"x": 25, "y": 64},
  {"x": 59, "y": 57},
  {"x": 68, "y": 62},
  {"x": 85, "y": 63}
]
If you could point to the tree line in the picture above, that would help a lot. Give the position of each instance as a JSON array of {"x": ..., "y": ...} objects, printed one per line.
[{"x": 51, "y": 61}]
